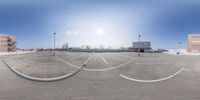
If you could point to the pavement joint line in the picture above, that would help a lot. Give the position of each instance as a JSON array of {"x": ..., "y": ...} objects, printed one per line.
[
  {"x": 151, "y": 63},
  {"x": 153, "y": 81},
  {"x": 54, "y": 79}
]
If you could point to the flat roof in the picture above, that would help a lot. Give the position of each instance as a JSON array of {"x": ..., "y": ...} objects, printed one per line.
[{"x": 7, "y": 35}]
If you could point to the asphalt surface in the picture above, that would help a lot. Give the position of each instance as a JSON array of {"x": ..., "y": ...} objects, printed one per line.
[{"x": 105, "y": 76}]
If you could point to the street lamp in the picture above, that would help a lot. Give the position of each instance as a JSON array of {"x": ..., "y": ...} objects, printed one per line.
[
  {"x": 54, "y": 44},
  {"x": 179, "y": 49},
  {"x": 139, "y": 45}
]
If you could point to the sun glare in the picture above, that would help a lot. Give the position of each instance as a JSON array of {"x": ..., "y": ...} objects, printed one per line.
[{"x": 100, "y": 31}]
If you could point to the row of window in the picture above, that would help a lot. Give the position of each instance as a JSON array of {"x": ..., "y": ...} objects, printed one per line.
[
  {"x": 3, "y": 41},
  {"x": 198, "y": 36},
  {"x": 195, "y": 51},
  {"x": 195, "y": 41},
  {"x": 195, "y": 46},
  {"x": 4, "y": 45},
  {"x": 4, "y": 36}
]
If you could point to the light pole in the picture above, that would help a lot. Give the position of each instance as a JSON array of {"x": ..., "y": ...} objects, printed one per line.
[
  {"x": 139, "y": 44},
  {"x": 179, "y": 45},
  {"x": 54, "y": 44}
]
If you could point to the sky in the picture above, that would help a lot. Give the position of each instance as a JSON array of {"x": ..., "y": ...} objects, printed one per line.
[{"x": 114, "y": 23}]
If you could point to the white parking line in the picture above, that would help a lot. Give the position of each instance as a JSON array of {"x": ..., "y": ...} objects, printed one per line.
[
  {"x": 88, "y": 60},
  {"x": 87, "y": 69},
  {"x": 67, "y": 75},
  {"x": 68, "y": 62},
  {"x": 104, "y": 60},
  {"x": 105, "y": 69},
  {"x": 151, "y": 81}
]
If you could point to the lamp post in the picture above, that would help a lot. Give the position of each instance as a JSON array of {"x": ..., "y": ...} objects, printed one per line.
[
  {"x": 54, "y": 44},
  {"x": 179, "y": 44},
  {"x": 139, "y": 45}
]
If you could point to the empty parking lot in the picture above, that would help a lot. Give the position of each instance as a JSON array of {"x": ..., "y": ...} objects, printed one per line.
[{"x": 99, "y": 76}]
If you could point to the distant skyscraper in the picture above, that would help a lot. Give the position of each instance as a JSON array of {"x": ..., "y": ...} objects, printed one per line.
[
  {"x": 88, "y": 47},
  {"x": 101, "y": 46},
  {"x": 65, "y": 46}
]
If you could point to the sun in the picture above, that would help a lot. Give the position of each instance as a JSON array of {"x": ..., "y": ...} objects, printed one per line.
[{"x": 100, "y": 31}]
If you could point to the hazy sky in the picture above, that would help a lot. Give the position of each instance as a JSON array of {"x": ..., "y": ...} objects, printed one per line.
[{"x": 94, "y": 22}]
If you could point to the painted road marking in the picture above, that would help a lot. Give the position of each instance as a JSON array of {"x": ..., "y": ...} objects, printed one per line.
[
  {"x": 106, "y": 69},
  {"x": 87, "y": 69},
  {"x": 41, "y": 79},
  {"x": 68, "y": 62},
  {"x": 151, "y": 81},
  {"x": 104, "y": 60},
  {"x": 87, "y": 60}
]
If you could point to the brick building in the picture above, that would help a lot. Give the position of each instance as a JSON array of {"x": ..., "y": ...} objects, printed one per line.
[
  {"x": 194, "y": 43},
  {"x": 7, "y": 43}
]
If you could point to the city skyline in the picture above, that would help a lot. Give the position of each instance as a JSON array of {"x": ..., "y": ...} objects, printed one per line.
[{"x": 114, "y": 23}]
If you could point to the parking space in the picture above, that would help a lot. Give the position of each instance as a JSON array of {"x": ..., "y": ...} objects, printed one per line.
[{"x": 110, "y": 76}]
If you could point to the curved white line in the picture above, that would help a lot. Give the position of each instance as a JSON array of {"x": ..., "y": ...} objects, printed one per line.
[
  {"x": 88, "y": 60},
  {"x": 151, "y": 81},
  {"x": 87, "y": 69},
  {"x": 41, "y": 79},
  {"x": 105, "y": 69},
  {"x": 69, "y": 63}
]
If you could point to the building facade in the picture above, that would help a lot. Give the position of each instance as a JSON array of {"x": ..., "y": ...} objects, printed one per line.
[
  {"x": 7, "y": 43},
  {"x": 141, "y": 46},
  {"x": 194, "y": 43}
]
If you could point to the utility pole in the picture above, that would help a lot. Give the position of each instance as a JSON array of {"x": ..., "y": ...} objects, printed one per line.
[
  {"x": 179, "y": 47},
  {"x": 54, "y": 44},
  {"x": 139, "y": 37},
  {"x": 139, "y": 45}
]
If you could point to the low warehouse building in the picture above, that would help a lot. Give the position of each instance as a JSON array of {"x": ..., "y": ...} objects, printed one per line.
[{"x": 142, "y": 46}]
